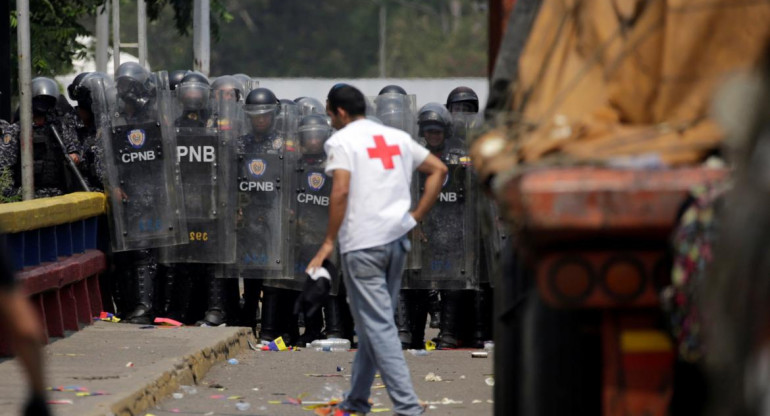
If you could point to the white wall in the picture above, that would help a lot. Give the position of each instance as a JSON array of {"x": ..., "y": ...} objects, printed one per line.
[{"x": 426, "y": 89}]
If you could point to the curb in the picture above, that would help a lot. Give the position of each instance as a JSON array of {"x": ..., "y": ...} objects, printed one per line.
[{"x": 187, "y": 371}]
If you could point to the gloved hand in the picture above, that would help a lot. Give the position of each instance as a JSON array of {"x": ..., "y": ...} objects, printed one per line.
[
  {"x": 36, "y": 406},
  {"x": 316, "y": 290}
]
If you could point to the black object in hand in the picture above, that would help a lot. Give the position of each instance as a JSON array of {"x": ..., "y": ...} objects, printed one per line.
[{"x": 315, "y": 292}]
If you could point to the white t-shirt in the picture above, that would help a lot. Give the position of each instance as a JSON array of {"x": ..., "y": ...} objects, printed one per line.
[{"x": 381, "y": 161}]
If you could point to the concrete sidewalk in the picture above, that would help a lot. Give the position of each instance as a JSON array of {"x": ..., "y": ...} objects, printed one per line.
[{"x": 136, "y": 368}]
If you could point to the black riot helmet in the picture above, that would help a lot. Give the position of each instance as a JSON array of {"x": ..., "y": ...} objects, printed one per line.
[
  {"x": 227, "y": 85},
  {"x": 392, "y": 89},
  {"x": 45, "y": 94},
  {"x": 133, "y": 83},
  {"x": 313, "y": 131},
  {"x": 72, "y": 89},
  {"x": 308, "y": 105},
  {"x": 462, "y": 99},
  {"x": 175, "y": 77},
  {"x": 432, "y": 119},
  {"x": 81, "y": 88},
  {"x": 193, "y": 92},
  {"x": 262, "y": 107}
]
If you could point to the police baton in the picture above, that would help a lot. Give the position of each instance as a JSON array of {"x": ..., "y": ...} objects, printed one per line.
[{"x": 70, "y": 162}]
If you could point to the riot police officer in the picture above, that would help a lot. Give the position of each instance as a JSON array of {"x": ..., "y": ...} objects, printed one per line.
[
  {"x": 309, "y": 105},
  {"x": 9, "y": 153},
  {"x": 201, "y": 161},
  {"x": 175, "y": 77},
  {"x": 462, "y": 99},
  {"x": 80, "y": 92},
  {"x": 52, "y": 174},
  {"x": 265, "y": 145},
  {"x": 136, "y": 93}
]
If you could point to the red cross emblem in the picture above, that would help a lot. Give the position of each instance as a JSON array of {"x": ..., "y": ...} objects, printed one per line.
[{"x": 382, "y": 151}]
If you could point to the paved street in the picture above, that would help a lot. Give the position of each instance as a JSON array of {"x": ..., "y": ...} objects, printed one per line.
[{"x": 272, "y": 382}]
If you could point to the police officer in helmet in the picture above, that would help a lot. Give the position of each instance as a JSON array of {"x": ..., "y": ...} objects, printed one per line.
[
  {"x": 462, "y": 100},
  {"x": 261, "y": 108}
]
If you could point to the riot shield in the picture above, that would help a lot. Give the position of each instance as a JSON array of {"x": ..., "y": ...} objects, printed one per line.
[
  {"x": 493, "y": 233},
  {"x": 397, "y": 111},
  {"x": 205, "y": 153},
  {"x": 414, "y": 257},
  {"x": 465, "y": 125},
  {"x": 263, "y": 194},
  {"x": 311, "y": 193},
  {"x": 139, "y": 170},
  {"x": 286, "y": 127},
  {"x": 450, "y": 236}
]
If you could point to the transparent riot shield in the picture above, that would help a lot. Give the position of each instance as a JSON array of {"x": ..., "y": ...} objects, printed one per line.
[
  {"x": 263, "y": 199},
  {"x": 465, "y": 125},
  {"x": 493, "y": 233},
  {"x": 311, "y": 194},
  {"x": 450, "y": 236},
  {"x": 205, "y": 151},
  {"x": 137, "y": 163},
  {"x": 397, "y": 111},
  {"x": 286, "y": 127}
]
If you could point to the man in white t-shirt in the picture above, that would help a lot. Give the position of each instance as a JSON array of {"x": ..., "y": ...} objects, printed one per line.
[{"x": 372, "y": 167}]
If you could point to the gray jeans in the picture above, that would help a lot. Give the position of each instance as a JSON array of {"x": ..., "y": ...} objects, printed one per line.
[{"x": 373, "y": 279}]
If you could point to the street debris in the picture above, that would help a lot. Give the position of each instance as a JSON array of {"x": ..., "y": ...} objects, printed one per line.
[
  {"x": 479, "y": 354},
  {"x": 107, "y": 317},
  {"x": 65, "y": 401},
  {"x": 419, "y": 353},
  {"x": 168, "y": 322},
  {"x": 490, "y": 381},
  {"x": 129, "y": 364},
  {"x": 430, "y": 345},
  {"x": 177, "y": 395},
  {"x": 432, "y": 377},
  {"x": 242, "y": 406},
  {"x": 232, "y": 361}
]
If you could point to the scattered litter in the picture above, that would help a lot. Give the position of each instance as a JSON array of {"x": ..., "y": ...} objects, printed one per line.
[
  {"x": 256, "y": 389},
  {"x": 234, "y": 397},
  {"x": 87, "y": 393},
  {"x": 252, "y": 346},
  {"x": 379, "y": 410},
  {"x": 217, "y": 396},
  {"x": 432, "y": 377},
  {"x": 462, "y": 377},
  {"x": 480, "y": 354},
  {"x": 477, "y": 401},
  {"x": 129, "y": 364},
  {"x": 430, "y": 345},
  {"x": 68, "y": 388},
  {"x": 490, "y": 381},
  {"x": 232, "y": 361},
  {"x": 243, "y": 406},
  {"x": 447, "y": 400},
  {"x": 189, "y": 390},
  {"x": 177, "y": 395},
  {"x": 419, "y": 353},
  {"x": 340, "y": 368},
  {"x": 147, "y": 327},
  {"x": 65, "y": 401},
  {"x": 489, "y": 346},
  {"x": 378, "y": 386},
  {"x": 331, "y": 345},
  {"x": 276, "y": 345},
  {"x": 490, "y": 401},
  {"x": 175, "y": 410},
  {"x": 107, "y": 317},
  {"x": 432, "y": 407},
  {"x": 167, "y": 321},
  {"x": 216, "y": 386}
]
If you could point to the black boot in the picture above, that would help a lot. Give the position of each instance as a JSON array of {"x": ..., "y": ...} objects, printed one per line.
[
  {"x": 250, "y": 308},
  {"x": 448, "y": 336},
  {"x": 178, "y": 291},
  {"x": 216, "y": 314},
  {"x": 419, "y": 316},
  {"x": 403, "y": 323},
  {"x": 435, "y": 309},
  {"x": 270, "y": 303},
  {"x": 144, "y": 289},
  {"x": 482, "y": 317},
  {"x": 313, "y": 329},
  {"x": 333, "y": 317}
]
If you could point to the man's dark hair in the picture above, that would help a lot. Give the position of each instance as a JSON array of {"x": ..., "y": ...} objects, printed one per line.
[{"x": 348, "y": 98}]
